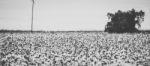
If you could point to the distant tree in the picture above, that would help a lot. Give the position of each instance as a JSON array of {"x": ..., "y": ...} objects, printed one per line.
[{"x": 124, "y": 21}]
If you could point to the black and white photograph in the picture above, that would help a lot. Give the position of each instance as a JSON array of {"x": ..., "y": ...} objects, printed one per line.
[{"x": 74, "y": 32}]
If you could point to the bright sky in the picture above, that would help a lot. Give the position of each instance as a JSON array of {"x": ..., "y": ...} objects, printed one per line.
[{"x": 66, "y": 14}]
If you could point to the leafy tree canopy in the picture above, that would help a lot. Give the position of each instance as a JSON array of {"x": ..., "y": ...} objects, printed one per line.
[{"x": 124, "y": 21}]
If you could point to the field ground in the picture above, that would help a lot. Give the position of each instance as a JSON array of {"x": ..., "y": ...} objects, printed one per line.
[{"x": 74, "y": 49}]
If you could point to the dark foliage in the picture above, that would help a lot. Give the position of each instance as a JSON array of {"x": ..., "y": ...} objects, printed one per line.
[{"x": 121, "y": 22}]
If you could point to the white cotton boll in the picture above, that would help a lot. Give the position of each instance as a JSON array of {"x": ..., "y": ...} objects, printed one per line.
[
  {"x": 114, "y": 64},
  {"x": 127, "y": 64}
]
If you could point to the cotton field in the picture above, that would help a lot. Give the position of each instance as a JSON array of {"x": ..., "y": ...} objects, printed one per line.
[{"x": 74, "y": 49}]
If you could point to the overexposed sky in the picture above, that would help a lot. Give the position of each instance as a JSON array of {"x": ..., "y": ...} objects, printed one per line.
[{"x": 66, "y": 14}]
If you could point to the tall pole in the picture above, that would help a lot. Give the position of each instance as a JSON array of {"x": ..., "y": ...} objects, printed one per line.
[{"x": 32, "y": 15}]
